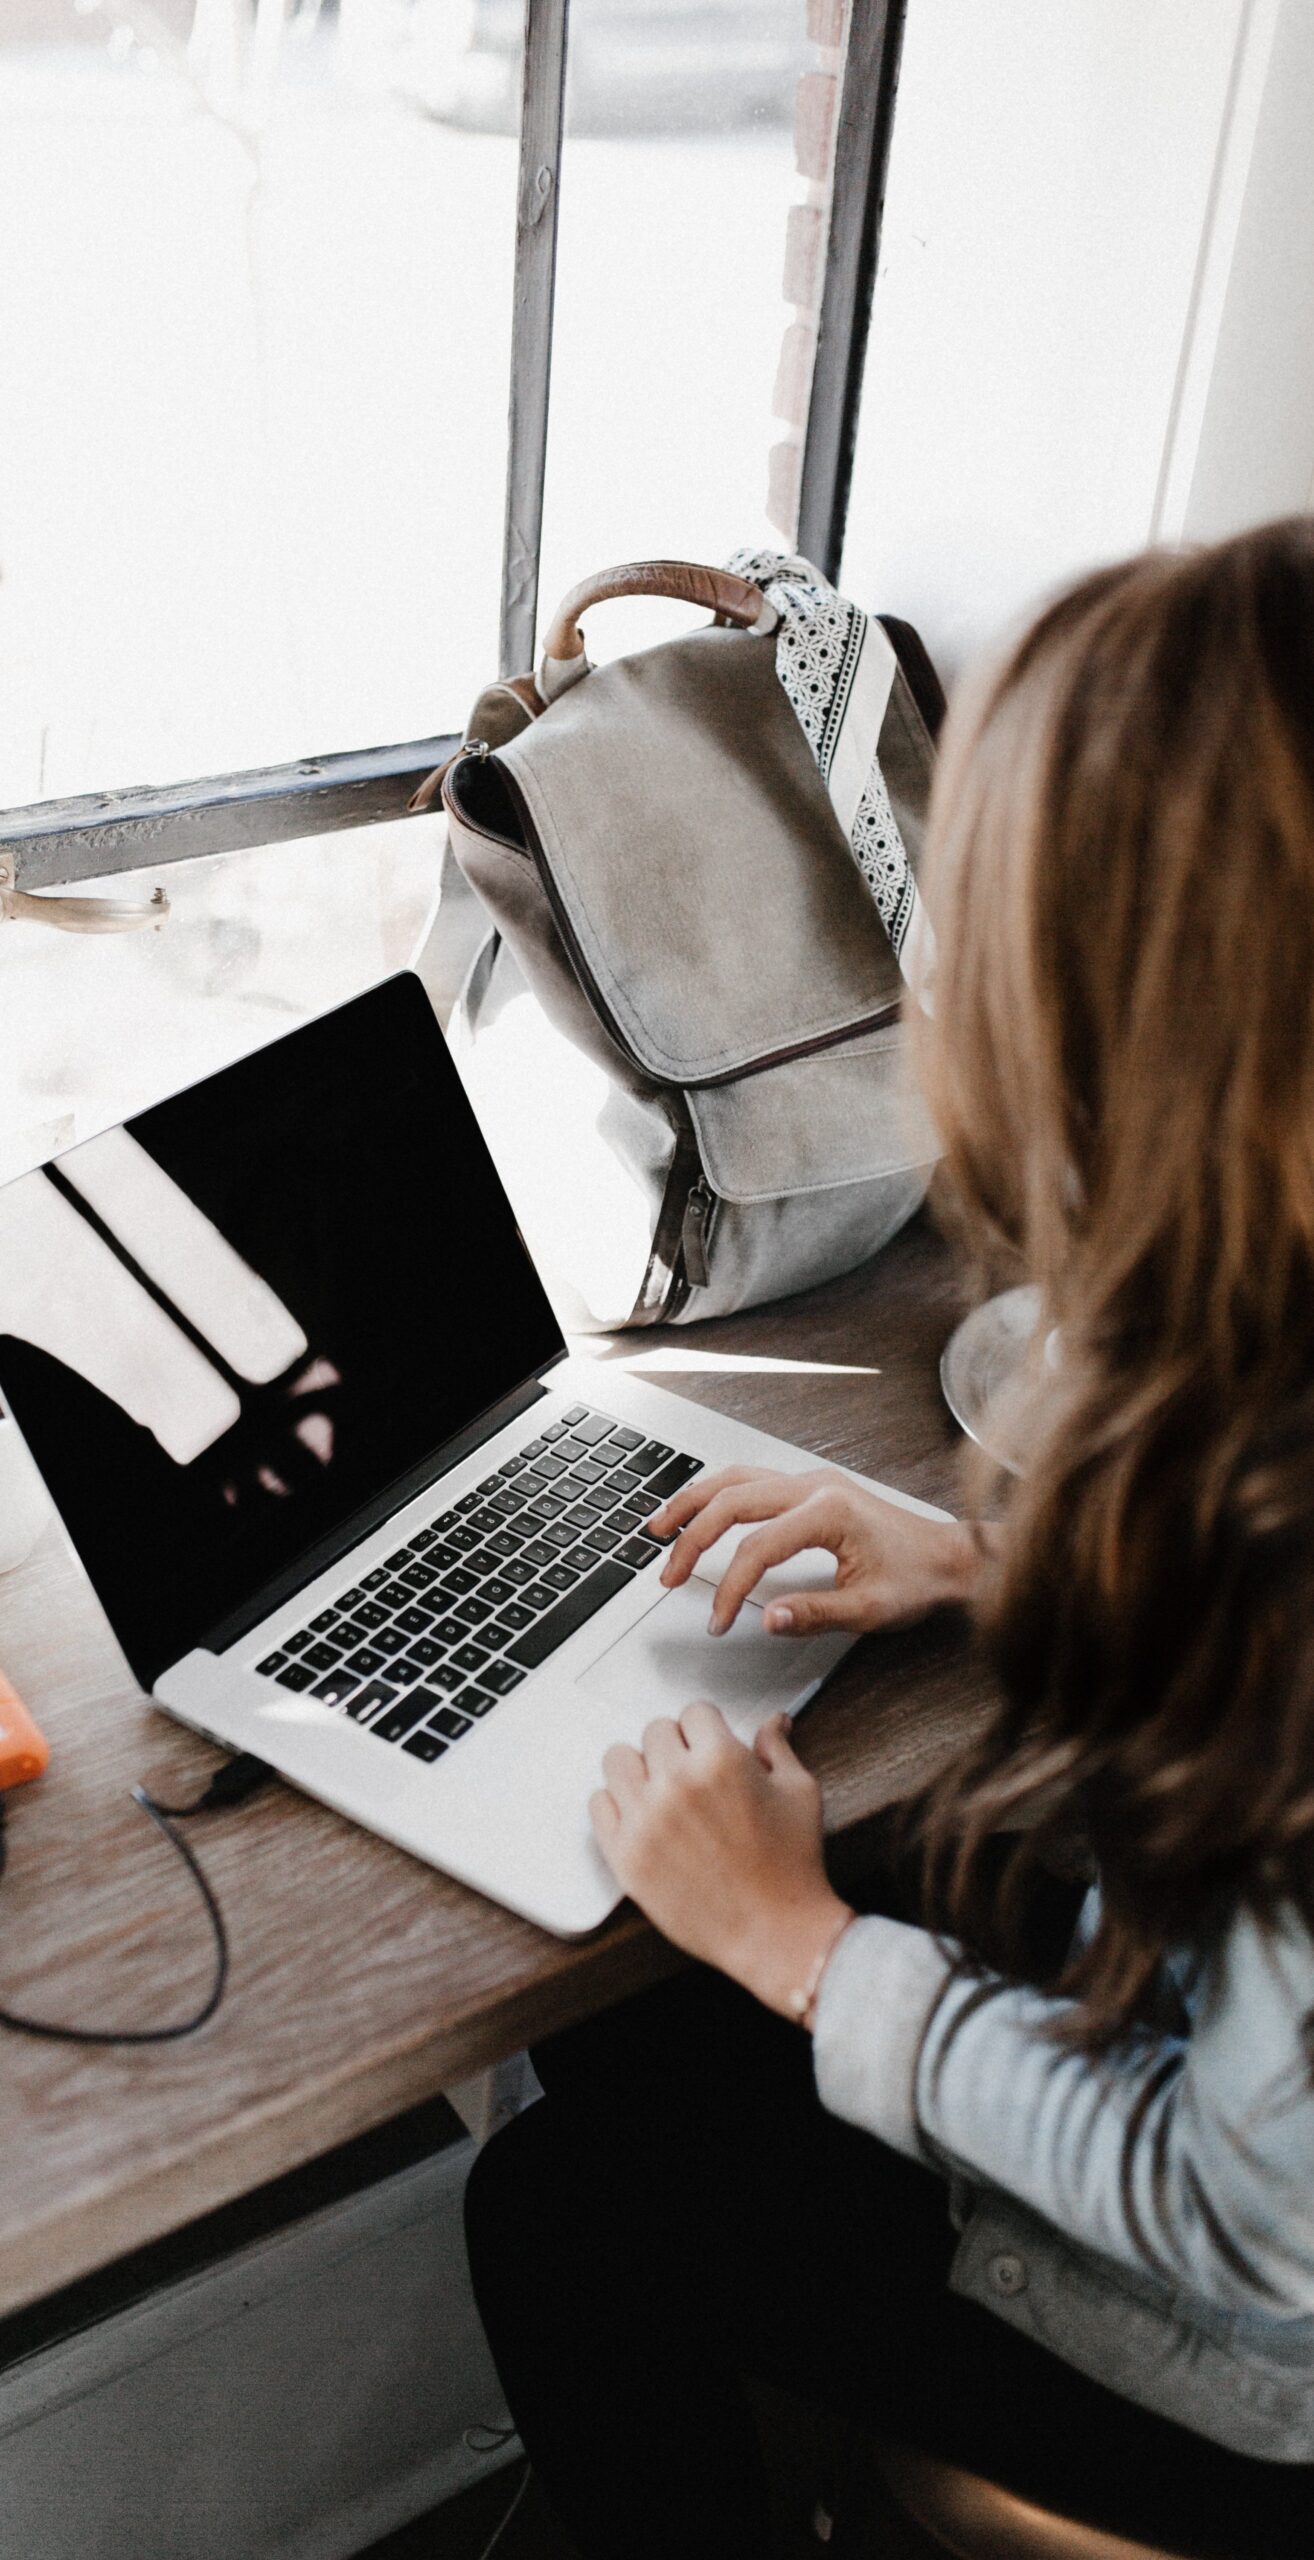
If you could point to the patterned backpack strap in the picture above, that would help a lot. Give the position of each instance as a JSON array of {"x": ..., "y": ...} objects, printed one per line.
[{"x": 837, "y": 667}]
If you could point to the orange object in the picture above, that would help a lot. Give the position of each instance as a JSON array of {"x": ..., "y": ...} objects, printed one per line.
[{"x": 24, "y": 1752}]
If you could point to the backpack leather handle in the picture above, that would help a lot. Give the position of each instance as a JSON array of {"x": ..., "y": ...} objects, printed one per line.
[{"x": 732, "y": 599}]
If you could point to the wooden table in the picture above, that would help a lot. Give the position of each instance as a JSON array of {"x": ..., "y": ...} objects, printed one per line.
[{"x": 363, "y": 1982}]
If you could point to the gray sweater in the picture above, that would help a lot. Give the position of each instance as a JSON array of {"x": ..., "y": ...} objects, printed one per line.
[{"x": 1148, "y": 2217}]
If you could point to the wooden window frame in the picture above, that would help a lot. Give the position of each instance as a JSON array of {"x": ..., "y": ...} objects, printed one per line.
[{"x": 58, "y": 843}]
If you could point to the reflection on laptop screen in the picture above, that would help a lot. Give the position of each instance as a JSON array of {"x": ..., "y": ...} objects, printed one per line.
[{"x": 229, "y": 1326}]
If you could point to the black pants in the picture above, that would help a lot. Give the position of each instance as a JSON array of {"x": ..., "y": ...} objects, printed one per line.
[{"x": 679, "y": 2212}]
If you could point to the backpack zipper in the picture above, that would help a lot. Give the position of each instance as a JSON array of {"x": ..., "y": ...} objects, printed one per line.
[
  {"x": 696, "y": 1234},
  {"x": 691, "y": 1268}
]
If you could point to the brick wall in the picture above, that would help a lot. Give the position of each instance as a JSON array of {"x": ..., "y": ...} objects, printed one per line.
[{"x": 807, "y": 224}]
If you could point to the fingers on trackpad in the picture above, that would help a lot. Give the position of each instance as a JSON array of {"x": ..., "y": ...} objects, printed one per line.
[
  {"x": 812, "y": 1570},
  {"x": 668, "y": 1657}
]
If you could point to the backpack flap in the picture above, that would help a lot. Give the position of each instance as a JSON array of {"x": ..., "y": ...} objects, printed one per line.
[
  {"x": 694, "y": 864},
  {"x": 816, "y": 1124},
  {"x": 810, "y": 1167}
]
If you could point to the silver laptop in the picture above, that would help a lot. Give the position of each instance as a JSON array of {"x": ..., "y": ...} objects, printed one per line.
[{"x": 301, "y": 1401}]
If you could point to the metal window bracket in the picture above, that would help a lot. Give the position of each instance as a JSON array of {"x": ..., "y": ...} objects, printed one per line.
[
  {"x": 101, "y": 832},
  {"x": 78, "y": 915},
  {"x": 862, "y": 157}
]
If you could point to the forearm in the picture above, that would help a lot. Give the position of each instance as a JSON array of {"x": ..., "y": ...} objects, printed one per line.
[
  {"x": 927, "y": 2064},
  {"x": 1134, "y": 2156}
]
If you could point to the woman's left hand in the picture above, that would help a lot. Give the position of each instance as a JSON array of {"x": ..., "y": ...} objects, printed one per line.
[{"x": 720, "y": 1846}]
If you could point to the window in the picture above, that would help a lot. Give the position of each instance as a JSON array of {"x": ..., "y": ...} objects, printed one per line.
[
  {"x": 268, "y": 269},
  {"x": 256, "y": 306}
]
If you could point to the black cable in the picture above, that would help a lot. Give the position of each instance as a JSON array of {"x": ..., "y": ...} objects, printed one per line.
[{"x": 230, "y": 1785}]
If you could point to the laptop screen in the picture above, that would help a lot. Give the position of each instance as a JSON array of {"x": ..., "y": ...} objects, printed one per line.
[{"x": 232, "y": 1325}]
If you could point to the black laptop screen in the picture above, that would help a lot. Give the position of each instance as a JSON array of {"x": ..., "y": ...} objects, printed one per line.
[{"x": 231, "y": 1326}]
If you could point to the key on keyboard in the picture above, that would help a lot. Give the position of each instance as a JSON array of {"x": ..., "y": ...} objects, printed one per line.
[
  {"x": 367, "y": 1699},
  {"x": 401, "y": 1719},
  {"x": 579, "y": 1605},
  {"x": 337, "y": 1687},
  {"x": 670, "y": 1478},
  {"x": 424, "y": 1745},
  {"x": 449, "y": 1724}
]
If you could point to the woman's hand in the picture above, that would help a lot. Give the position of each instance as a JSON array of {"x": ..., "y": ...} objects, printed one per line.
[
  {"x": 720, "y": 1846},
  {"x": 892, "y": 1566}
]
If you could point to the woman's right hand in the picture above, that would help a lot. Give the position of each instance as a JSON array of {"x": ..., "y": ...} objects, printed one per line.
[{"x": 892, "y": 1565}]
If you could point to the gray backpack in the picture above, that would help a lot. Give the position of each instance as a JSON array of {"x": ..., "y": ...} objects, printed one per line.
[{"x": 681, "y": 1030}]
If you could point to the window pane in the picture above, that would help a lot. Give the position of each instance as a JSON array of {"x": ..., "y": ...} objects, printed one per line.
[
  {"x": 93, "y": 1027},
  {"x": 255, "y": 307},
  {"x": 693, "y": 212}
]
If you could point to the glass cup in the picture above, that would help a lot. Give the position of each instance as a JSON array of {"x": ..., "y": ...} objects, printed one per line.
[{"x": 988, "y": 1374}]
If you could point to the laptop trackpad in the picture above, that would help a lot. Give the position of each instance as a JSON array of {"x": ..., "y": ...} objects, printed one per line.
[
  {"x": 668, "y": 1658},
  {"x": 812, "y": 1570}
]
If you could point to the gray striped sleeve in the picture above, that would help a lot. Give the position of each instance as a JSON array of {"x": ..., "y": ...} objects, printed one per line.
[{"x": 877, "y": 1995}]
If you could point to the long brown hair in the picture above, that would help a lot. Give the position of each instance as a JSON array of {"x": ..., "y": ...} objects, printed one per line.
[{"x": 1121, "y": 1065}]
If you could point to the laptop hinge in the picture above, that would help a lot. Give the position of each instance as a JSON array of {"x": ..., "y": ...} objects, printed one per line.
[{"x": 372, "y": 1515}]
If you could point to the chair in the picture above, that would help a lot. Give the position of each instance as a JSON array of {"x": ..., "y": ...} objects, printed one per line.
[{"x": 976, "y": 2520}]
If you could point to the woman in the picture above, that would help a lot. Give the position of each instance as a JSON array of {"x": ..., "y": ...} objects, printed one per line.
[{"x": 1057, "y": 2224}]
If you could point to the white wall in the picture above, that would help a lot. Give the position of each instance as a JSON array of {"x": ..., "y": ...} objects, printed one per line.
[
  {"x": 1092, "y": 322},
  {"x": 1249, "y": 453}
]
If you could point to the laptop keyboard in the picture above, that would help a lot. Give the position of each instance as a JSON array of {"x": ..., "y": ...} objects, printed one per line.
[{"x": 428, "y": 1642}]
